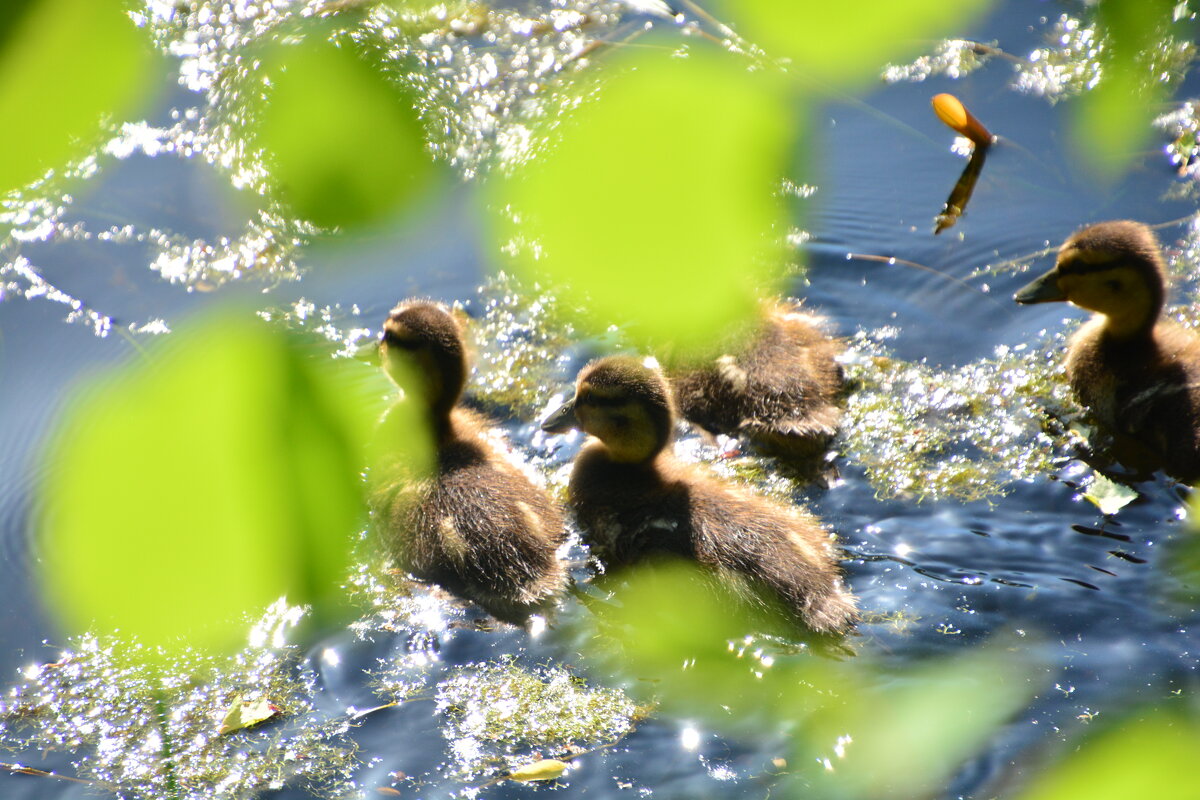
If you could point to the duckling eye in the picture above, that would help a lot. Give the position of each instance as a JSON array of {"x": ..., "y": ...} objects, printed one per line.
[{"x": 1114, "y": 284}]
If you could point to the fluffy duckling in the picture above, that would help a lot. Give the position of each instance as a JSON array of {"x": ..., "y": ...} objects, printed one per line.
[
  {"x": 780, "y": 388},
  {"x": 1139, "y": 374},
  {"x": 633, "y": 499},
  {"x": 477, "y": 526}
]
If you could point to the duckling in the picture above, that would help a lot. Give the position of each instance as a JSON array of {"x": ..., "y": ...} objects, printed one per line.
[
  {"x": 1139, "y": 374},
  {"x": 477, "y": 526},
  {"x": 780, "y": 389},
  {"x": 633, "y": 500}
]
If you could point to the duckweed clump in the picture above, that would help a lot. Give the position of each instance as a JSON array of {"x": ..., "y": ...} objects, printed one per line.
[
  {"x": 1068, "y": 64},
  {"x": 964, "y": 433},
  {"x": 146, "y": 732},
  {"x": 502, "y": 715},
  {"x": 954, "y": 58}
]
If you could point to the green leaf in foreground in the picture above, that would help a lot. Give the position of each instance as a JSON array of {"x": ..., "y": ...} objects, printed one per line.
[
  {"x": 902, "y": 736},
  {"x": 656, "y": 209},
  {"x": 846, "y": 44},
  {"x": 1151, "y": 757},
  {"x": 675, "y": 629},
  {"x": 64, "y": 66},
  {"x": 184, "y": 492},
  {"x": 344, "y": 144},
  {"x": 1113, "y": 121}
]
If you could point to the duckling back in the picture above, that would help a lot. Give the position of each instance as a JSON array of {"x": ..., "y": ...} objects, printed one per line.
[
  {"x": 477, "y": 526},
  {"x": 636, "y": 508},
  {"x": 775, "y": 557},
  {"x": 780, "y": 389}
]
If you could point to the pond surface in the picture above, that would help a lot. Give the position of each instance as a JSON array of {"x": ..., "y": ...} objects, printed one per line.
[{"x": 1088, "y": 596}]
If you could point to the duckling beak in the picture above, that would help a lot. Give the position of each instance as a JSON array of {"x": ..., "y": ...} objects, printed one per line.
[
  {"x": 562, "y": 419},
  {"x": 1041, "y": 290}
]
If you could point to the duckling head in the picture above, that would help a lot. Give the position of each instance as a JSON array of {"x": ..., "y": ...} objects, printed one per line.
[
  {"x": 622, "y": 402},
  {"x": 1113, "y": 268},
  {"x": 424, "y": 338}
]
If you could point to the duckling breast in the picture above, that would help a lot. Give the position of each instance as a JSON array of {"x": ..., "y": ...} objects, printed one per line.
[
  {"x": 478, "y": 526},
  {"x": 1146, "y": 391}
]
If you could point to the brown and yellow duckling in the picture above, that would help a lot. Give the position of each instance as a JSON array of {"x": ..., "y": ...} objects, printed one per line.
[
  {"x": 477, "y": 526},
  {"x": 634, "y": 500},
  {"x": 1139, "y": 374},
  {"x": 780, "y": 388}
]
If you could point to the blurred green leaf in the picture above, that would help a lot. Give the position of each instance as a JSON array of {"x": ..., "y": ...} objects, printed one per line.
[
  {"x": 903, "y": 736},
  {"x": 63, "y": 67},
  {"x": 846, "y": 44},
  {"x": 11, "y": 14},
  {"x": 345, "y": 145},
  {"x": 655, "y": 209},
  {"x": 677, "y": 626},
  {"x": 191, "y": 489},
  {"x": 1151, "y": 757},
  {"x": 1182, "y": 558},
  {"x": 1113, "y": 121},
  {"x": 400, "y": 450}
]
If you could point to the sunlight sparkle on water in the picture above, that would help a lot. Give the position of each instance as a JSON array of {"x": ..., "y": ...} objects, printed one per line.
[{"x": 689, "y": 738}]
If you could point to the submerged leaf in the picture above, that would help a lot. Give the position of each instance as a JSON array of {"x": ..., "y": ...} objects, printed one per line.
[
  {"x": 545, "y": 770},
  {"x": 1109, "y": 496},
  {"x": 246, "y": 713}
]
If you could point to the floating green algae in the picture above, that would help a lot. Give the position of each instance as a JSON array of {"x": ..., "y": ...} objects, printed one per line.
[
  {"x": 954, "y": 58},
  {"x": 965, "y": 433},
  {"x": 502, "y": 715},
  {"x": 1069, "y": 63},
  {"x": 142, "y": 733}
]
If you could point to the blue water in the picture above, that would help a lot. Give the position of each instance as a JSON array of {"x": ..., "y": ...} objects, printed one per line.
[{"x": 1088, "y": 593}]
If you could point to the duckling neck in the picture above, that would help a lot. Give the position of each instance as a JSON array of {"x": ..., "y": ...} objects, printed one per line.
[
  {"x": 445, "y": 393},
  {"x": 1131, "y": 325},
  {"x": 631, "y": 452},
  {"x": 443, "y": 428}
]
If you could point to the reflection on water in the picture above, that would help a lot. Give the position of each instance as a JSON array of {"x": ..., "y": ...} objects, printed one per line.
[{"x": 960, "y": 502}]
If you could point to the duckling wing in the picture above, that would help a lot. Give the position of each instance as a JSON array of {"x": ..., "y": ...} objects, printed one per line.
[
  {"x": 1165, "y": 420},
  {"x": 784, "y": 555}
]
